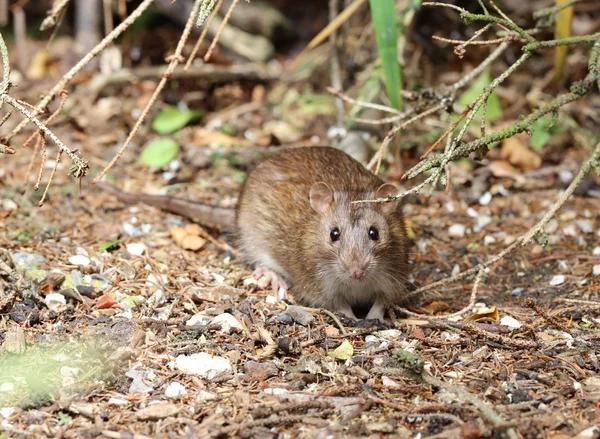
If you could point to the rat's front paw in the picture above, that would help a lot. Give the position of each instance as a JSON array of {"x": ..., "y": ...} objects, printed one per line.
[{"x": 266, "y": 277}]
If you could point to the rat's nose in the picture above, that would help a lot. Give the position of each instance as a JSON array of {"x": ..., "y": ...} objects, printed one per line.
[{"x": 356, "y": 270}]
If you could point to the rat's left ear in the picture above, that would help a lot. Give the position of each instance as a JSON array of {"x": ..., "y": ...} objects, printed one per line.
[{"x": 383, "y": 192}]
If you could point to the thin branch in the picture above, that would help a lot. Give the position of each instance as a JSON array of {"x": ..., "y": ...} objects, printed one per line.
[
  {"x": 203, "y": 35},
  {"x": 82, "y": 63},
  {"x": 213, "y": 44},
  {"x": 175, "y": 58}
]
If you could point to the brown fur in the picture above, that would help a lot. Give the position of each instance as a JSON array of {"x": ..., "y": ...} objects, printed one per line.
[{"x": 278, "y": 229}]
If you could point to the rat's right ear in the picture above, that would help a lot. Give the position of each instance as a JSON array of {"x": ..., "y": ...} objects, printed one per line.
[{"x": 321, "y": 197}]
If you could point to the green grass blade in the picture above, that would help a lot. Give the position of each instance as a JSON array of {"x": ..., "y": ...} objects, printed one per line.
[{"x": 383, "y": 14}]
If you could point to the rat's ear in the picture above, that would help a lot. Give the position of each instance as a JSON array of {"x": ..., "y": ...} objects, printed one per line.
[
  {"x": 384, "y": 191},
  {"x": 321, "y": 197}
]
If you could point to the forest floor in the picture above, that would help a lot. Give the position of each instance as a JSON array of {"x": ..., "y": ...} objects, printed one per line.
[{"x": 111, "y": 325}]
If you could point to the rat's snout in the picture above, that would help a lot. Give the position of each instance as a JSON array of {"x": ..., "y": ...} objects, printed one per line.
[{"x": 356, "y": 269}]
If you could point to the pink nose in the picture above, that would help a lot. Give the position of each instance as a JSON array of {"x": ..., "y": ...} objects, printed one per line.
[{"x": 356, "y": 273}]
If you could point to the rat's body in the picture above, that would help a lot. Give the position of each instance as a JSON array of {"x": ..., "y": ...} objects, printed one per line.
[{"x": 295, "y": 218}]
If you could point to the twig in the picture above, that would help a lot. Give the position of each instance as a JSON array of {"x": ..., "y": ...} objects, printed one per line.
[
  {"x": 81, "y": 64},
  {"x": 213, "y": 44},
  {"x": 53, "y": 15},
  {"x": 336, "y": 80},
  {"x": 202, "y": 35},
  {"x": 527, "y": 237},
  {"x": 175, "y": 59},
  {"x": 346, "y": 98},
  {"x": 553, "y": 320}
]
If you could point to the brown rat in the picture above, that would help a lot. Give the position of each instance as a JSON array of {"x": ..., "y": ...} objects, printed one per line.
[{"x": 295, "y": 217}]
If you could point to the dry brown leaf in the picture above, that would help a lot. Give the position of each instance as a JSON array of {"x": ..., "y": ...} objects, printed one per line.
[
  {"x": 436, "y": 307},
  {"x": 518, "y": 154},
  {"x": 503, "y": 169},
  {"x": 332, "y": 331},
  {"x": 203, "y": 136},
  {"x": 188, "y": 237},
  {"x": 487, "y": 315}
]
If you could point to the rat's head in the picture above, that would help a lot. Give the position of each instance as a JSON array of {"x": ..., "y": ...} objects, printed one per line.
[{"x": 358, "y": 242}]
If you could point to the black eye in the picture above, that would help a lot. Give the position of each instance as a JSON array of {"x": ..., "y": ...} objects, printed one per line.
[
  {"x": 373, "y": 233},
  {"x": 335, "y": 234}
]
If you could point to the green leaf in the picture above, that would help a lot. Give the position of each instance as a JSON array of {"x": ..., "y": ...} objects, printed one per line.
[
  {"x": 159, "y": 152},
  {"x": 171, "y": 119},
  {"x": 343, "y": 351},
  {"x": 494, "y": 109},
  {"x": 383, "y": 13},
  {"x": 543, "y": 130},
  {"x": 110, "y": 245}
]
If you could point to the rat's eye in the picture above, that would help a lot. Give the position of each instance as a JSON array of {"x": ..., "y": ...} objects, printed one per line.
[
  {"x": 373, "y": 233},
  {"x": 335, "y": 234}
]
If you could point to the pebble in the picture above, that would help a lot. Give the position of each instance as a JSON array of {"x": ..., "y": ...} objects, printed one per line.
[
  {"x": 483, "y": 220},
  {"x": 563, "y": 265},
  {"x": 54, "y": 301},
  {"x": 136, "y": 248},
  {"x": 510, "y": 321},
  {"x": 199, "y": 319},
  {"x": 175, "y": 390},
  {"x": 457, "y": 230},
  {"x": 488, "y": 239},
  {"x": 227, "y": 322},
  {"x": 552, "y": 226},
  {"x": 7, "y": 412},
  {"x": 79, "y": 260},
  {"x": 388, "y": 382},
  {"x": 8, "y": 204},
  {"x": 570, "y": 230},
  {"x": 204, "y": 396},
  {"x": 142, "y": 381},
  {"x": 456, "y": 270},
  {"x": 285, "y": 318},
  {"x": 559, "y": 279},
  {"x": 7, "y": 387},
  {"x": 203, "y": 364},
  {"x": 516, "y": 292},
  {"x": 584, "y": 225},
  {"x": 300, "y": 315},
  {"x": 596, "y": 251},
  {"x": 596, "y": 270},
  {"x": 130, "y": 230},
  {"x": 271, "y": 300},
  {"x": 157, "y": 411},
  {"x": 485, "y": 199},
  {"x": 28, "y": 260},
  {"x": 537, "y": 251},
  {"x": 118, "y": 402}
]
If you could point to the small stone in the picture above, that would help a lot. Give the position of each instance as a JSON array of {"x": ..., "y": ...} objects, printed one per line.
[
  {"x": 596, "y": 270},
  {"x": 54, "y": 301},
  {"x": 117, "y": 402},
  {"x": 227, "y": 322},
  {"x": 516, "y": 292},
  {"x": 482, "y": 221},
  {"x": 284, "y": 318},
  {"x": 79, "y": 260},
  {"x": 537, "y": 251},
  {"x": 142, "y": 381},
  {"x": 7, "y": 412},
  {"x": 175, "y": 390},
  {"x": 264, "y": 370},
  {"x": 388, "y": 382},
  {"x": 7, "y": 387},
  {"x": 300, "y": 315},
  {"x": 584, "y": 225},
  {"x": 552, "y": 226},
  {"x": 510, "y": 321},
  {"x": 371, "y": 339},
  {"x": 271, "y": 300},
  {"x": 130, "y": 230},
  {"x": 379, "y": 427},
  {"x": 199, "y": 319},
  {"x": 203, "y": 364},
  {"x": 485, "y": 199},
  {"x": 568, "y": 216},
  {"x": 596, "y": 251},
  {"x": 488, "y": 239},
  {"x": 7, "y": 204},
  {"x": 570, "y": 230},
  {"x": 158, "y": 411},
  {"x": 456, "y": 270},
  {"x": 332, "y": 331},
  {"x": 559, "y": 279},
  {"x": 457, "y": 230},
  {"x": 136, "y": 248},
  {"x": 204, "y": 396}
]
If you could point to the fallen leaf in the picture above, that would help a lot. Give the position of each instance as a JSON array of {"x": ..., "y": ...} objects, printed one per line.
[
  {"x": 343, "y": 351},
  {"x": 51, "y": 282},
  {"x": 436, "y": 307},
  {"x": 486, "y": 315},
  {"x": 332, "y": 331},
  {"x": 188, "y": 237},
  {"x": 107, "y": 301},
  {"x": 503, "y": 169},
  {"x": 518, "y": 154},
  {"x": 203, "y": 137}
]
